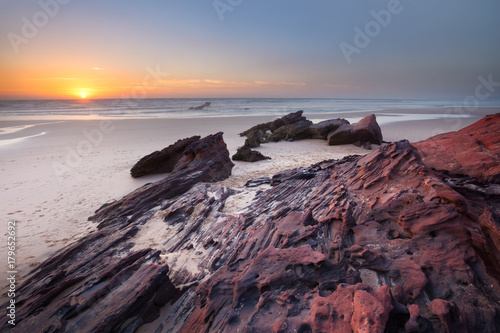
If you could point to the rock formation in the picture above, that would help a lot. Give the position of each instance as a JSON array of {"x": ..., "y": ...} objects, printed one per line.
[
  {"x": 379, "y": 243},
  {"x": 472, "y": 151},
  {"x": 201, "y": 107},
  {"x": 275, "y": 124},
  {"x": 366, "y": 130},
  {"x": 323, "y": 128},
  {"x": 163, "y": 161},
  {"x": 246, "y": 154},
  {"x": 294, "y": 126},
  {"x": 205, "y": 160}
]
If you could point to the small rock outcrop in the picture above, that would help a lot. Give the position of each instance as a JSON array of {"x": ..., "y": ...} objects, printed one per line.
[
  {"x": 246, "y": 154},
  {"x": 366, "y": 130},
  {"x": 255, "y": 138},
  {"x": 472, "y": 151},
  {"x": 163, "y": 161},
  {"x": 296, "y": 131},
  {"x": 322, "y": 129},
  {"x": 291, "y": 127},
  {"x": 200, "y": 107},
  {"x": 275, "y": 124}
]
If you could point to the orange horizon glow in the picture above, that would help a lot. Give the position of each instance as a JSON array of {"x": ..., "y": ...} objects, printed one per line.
[{"x": 84, "y": 86}]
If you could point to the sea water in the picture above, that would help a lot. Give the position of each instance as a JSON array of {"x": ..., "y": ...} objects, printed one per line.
[{"x": 180, "y": 108}]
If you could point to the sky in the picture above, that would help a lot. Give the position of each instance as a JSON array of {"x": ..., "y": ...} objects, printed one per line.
[{"x": 422, "y": 49}]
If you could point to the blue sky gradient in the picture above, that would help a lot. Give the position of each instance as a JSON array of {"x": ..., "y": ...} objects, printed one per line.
[{"x": 282, "y": 48}]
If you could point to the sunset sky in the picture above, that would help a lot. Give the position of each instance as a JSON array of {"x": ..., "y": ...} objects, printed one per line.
[{"x": 248, "y": 48}]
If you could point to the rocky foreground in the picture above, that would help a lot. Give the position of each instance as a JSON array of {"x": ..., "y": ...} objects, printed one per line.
[{"x": 364, "y": 244}]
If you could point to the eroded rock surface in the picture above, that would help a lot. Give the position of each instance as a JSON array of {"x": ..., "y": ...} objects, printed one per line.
[
  {"x": 162, "y": 161},
  {"x": 246, "y": 154},
  {"x": 364, "y": 244},
  {"x": 365, "y": 130},
  {"x": 472, "y": 151},
  {"x": 323, "y": 128}
]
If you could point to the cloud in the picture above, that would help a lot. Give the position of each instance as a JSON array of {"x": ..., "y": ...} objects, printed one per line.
[{"x": 54, "y": 79}]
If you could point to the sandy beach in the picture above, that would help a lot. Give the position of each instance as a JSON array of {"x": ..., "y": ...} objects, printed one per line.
[{"x": 56, "y": 173}]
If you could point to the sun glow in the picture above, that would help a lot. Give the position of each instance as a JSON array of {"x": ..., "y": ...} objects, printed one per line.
[{"x": 83, "y": 95}]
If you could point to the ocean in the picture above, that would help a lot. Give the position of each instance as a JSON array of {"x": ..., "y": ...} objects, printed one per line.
[{"x": 179, "y": 108}]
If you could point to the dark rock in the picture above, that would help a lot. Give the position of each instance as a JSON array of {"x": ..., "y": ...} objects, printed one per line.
[
  {"x": 296, "y": 131},
  {"x": 201, "y": 107},
  {"x": 163, "y": 161},
  {"x": 258, "y": 181},
  {"x": 321, "y": 129},
  {"x": 206, "y": 160},
  {"x": 365, "y": 244},
  {"x": 290, "y": 127},
  {"x": 366, "y": 130},
  {"x": 246, "y": 154},
  {"x": 287, "y": 175},
  {"x": 255, "y": 138},
  {"x": 472, "y": 151},
  {"x": 275, "y": 124}
]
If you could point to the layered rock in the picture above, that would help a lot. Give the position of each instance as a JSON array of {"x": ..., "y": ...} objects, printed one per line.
[
  {"x": 246, "y": 154},
  {"x": 275, "y": 124},
  {"x": 294, "y": 127},
  {"x": 472, "y": 151},
  {"x": 365, "y": 130},
  {"x": 162, "y": 161},
  {"x": 375, "y": 243},
  {"x": 206, "y": 160},
  {"x": 364, "y": 244},
  {"x": 323, "y": 128}
]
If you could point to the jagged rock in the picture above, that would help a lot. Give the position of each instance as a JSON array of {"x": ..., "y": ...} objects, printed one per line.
[
  {"x": 375, "y": 235},
  {"x": 366, "y": 130},
  {"x": 365, "y": 244},
  {"x": 246, "y": 154},
  {"x": 472, "y": 151},
  {"x": 321, "y": 129},
  {"x": 290, "y": 127},
  {"x": 298, "y": 130},
  {"x": 255, "y": 138},
  {"x": 163, "y": 161},
  {"x": 201, "y": 107},
  {"x": 206, "y": 160},
  {"x": 275, "y": 124},
  {"x": 258, "y": 181}
]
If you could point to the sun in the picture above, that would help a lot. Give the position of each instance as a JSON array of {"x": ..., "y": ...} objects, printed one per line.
[{"x": 83, "y": 95}]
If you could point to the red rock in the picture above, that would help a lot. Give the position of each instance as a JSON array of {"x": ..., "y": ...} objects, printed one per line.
[
  {"x": 449, "y": 315},
  {"x": 472, "y": 151},
  {"x": 379, "y": 242},
  {"x": 371, "y": 314},
  {"x": 412, "y": 324}
]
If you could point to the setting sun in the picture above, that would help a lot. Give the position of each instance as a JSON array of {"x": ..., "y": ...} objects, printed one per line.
[{"x": 83, "y": 95}]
